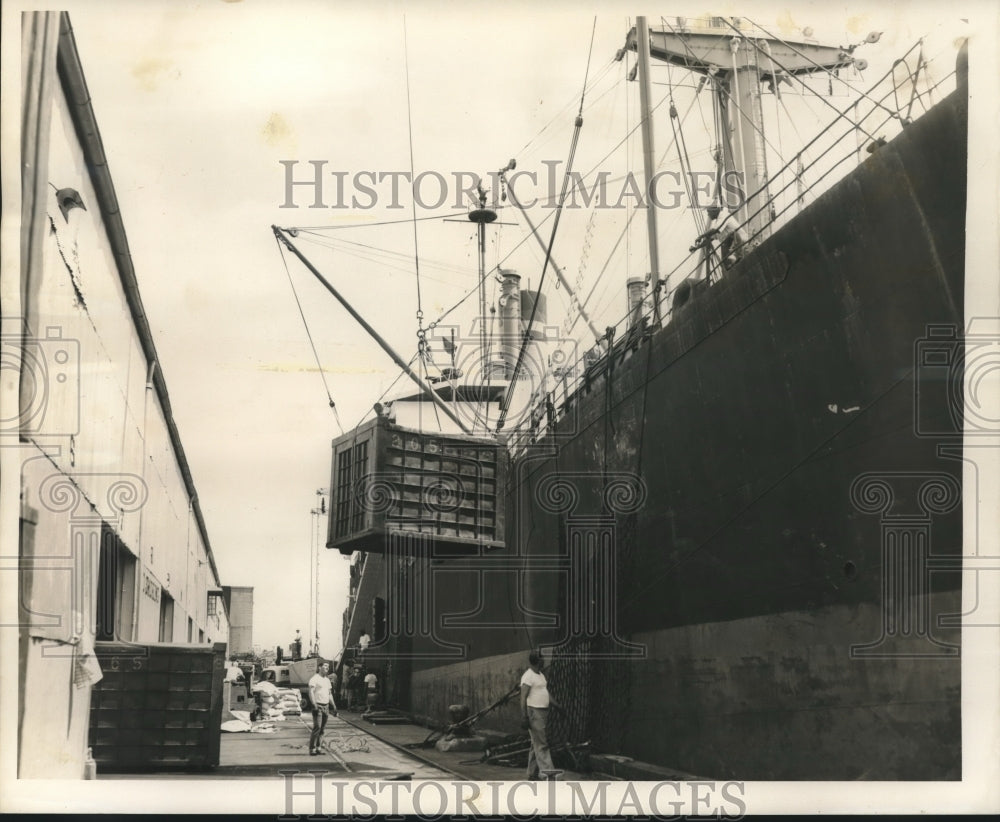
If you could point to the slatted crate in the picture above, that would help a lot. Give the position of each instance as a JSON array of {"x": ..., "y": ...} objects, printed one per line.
[
  {"x": 440, "y": 491},
  {"x": 157, "y": 706}
]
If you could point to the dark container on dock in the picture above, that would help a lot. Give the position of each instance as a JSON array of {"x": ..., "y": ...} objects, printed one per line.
[
  {"x": 157, "y": 706},
  {"x": 416, "y": 490}
]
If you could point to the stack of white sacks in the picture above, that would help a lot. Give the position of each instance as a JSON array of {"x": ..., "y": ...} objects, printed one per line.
[
  {"x": 289, "y": 701},
  {"x": 269, "y": 700},
  {"x": 277, "y": 703}
]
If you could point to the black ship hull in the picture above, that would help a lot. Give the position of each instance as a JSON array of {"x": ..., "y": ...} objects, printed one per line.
[{"x": 742, "y": 536}]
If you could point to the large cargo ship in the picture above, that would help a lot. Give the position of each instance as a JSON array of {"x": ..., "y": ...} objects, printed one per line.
[{"x": 735, "y": 526}]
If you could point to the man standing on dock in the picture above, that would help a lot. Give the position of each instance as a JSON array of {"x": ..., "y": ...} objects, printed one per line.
[
  {"x": 371, "y": 688},
  {"x": 535, "y": 703},
  {"x": 321, "y": 696}
]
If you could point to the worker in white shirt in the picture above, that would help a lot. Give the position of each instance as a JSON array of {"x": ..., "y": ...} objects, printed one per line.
[
  {"x": 321, "y": 696},
  {"x": 371, "y": 688},
  {"x": 535, "y": 704}
]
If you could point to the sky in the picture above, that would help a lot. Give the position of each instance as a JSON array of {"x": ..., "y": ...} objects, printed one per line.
[{"x": 199, "y": 103}]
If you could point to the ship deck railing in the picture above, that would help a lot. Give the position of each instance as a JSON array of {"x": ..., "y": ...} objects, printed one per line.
[{"x": 892, "y": 103}]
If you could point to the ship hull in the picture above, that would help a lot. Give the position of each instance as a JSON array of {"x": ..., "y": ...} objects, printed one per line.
[{"x": 741, "y": 538}]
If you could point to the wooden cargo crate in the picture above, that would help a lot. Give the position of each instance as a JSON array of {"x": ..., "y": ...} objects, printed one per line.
[
  {"x": 421, "y": 490},
  {"x": 157, "y": 706}
]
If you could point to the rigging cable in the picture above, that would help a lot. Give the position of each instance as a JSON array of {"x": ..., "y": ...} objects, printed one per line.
[
  {"x": 698, "y": 87},
  {"x": 505, "y": 405},
  {"x": 862, "y": 92},
  {"x": 392, "y": 385},
  {"x": 367, "y": 225},
  {"x": 602, "y": 73},
  {"x": 628, "y": 222},
  {"x": 718, "y": 119},
  {"x": 723, "y": 144},
  {"x": 682, "y": 152},
  {"x": 628, "y": 166},
  {"x": 588, "y": 174},
  {"x": 802, "y": 151},
  {"x": 777, "y": 114},
  {"x": 800, "y": 171},
  {"x": 319, "y": 365},
  {"x": 421, "y": 334},
  {"x": 787, "y": 71},
  {"x": 387, "y": 258},
  {"x": 685, "y": 163}
]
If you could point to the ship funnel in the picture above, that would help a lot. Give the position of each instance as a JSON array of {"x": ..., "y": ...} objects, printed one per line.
[
  {"x": 635, "y": 288},
  {"x": 510, "y": 318},
  {"x": 516, "y": 309}
]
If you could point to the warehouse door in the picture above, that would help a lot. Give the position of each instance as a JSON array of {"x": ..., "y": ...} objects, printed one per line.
[
  {"x": 166, "y": 617},
  {"x": 115, "y": 588}
]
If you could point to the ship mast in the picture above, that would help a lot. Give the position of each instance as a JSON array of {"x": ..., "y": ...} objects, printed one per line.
[
  {"x": 481, "y": 216},
  {"x": 648, "y": 157},
  {"x": 736, "y": 63}
]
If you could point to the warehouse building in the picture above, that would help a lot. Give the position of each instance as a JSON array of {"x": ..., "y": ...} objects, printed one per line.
[{"x": 112, "y": 541}]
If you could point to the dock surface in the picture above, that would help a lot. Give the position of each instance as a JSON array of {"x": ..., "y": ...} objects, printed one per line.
[{"x": 353, "y": 748}]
